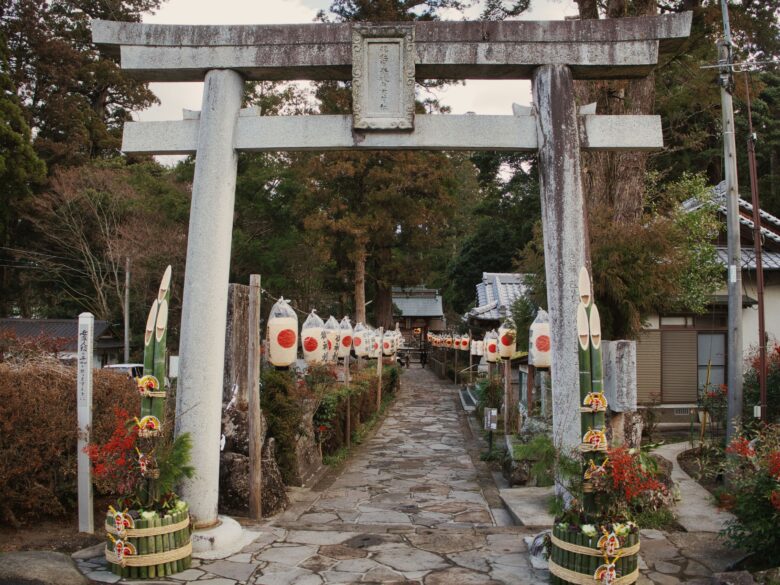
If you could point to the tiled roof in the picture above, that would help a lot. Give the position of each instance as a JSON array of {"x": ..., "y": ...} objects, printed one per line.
[
  {"x": 60, "y": 329},
  {"x": 418, "y": 302},
  {"x": 495, "y": 295},
  {"x": 770, "y": 259},
  {"x": 772, "y": 232}
]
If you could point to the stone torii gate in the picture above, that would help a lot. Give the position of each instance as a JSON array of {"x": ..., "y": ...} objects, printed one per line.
[{"x": 382, "y": 61}]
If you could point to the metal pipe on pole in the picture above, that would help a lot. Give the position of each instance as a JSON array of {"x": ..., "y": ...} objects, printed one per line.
[
  {"x": 751, "y": 148},
  {"x": 127, "y": 310},
  {"x": 734, "y": 333}
]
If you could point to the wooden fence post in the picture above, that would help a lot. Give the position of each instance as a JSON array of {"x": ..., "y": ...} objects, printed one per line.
[{"x": 253, "y": 400}]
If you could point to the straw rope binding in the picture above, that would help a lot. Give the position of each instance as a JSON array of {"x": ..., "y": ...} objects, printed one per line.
[
  {"x": 152, "y": 559},
  {"x": 582, "y": 579},
  {"x": 152, "y": 394},
  {"x": 586, "y": 447},
  {"x": 153, "y": 531},
  {"x": 586, "y": 550}
]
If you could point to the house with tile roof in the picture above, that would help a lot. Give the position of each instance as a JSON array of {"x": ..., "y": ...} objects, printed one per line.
[
  {"x": 418, "y": 307},
  {"x": 677, "y": 354},
  {"x": 495, "y": 296},
  {"x": 61, "y": 336}
]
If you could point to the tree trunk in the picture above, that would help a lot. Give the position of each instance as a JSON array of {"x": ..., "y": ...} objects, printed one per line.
[
  {"x": 616, "y": 179},
  {"x": 384, "y": 306},
  {"x": 360, "y": 281}
]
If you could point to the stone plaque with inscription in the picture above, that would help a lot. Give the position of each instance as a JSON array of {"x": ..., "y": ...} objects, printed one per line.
[{"x": 383, "y": 77}]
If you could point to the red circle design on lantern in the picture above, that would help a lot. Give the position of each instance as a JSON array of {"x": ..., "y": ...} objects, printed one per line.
[
  {"x": 330, "y": 344},
  {"x": 387, "y": 345},
  {"x": 542, "y": 343},
  {"x": 507, "y": 339},
  {"x": 286, "y": 338},
  {"x": 310, "y": 344},
  {"x": 357, "y": 342},
  {"x": 346, "y": 341},
  {"x": 492, "y": 348}
]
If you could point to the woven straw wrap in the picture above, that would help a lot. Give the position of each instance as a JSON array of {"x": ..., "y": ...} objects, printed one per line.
[
  {"x": 582, "y": 579},
  {"x": 586, "y": 550},
  {"x": 151, "y": 559},
  {"x": 587, "y": 447},
  {"x": 152, "y": 394},
  {"x": 152, "y": 531}
]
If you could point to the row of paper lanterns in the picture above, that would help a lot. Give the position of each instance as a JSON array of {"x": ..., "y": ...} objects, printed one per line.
[
  {"x": 323, "y": 341},
  {"x": 502, "y": 343}
]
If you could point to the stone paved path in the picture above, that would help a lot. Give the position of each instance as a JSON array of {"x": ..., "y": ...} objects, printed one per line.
[
  {"x": 415, "y": 505},
  {"x": 411, "y": 506}
]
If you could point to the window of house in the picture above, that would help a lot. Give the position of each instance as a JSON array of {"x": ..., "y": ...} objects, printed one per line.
[{"x": 712, "y": 355}]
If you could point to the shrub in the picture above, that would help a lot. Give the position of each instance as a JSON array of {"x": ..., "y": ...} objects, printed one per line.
[
  {"x": 753, "y": 496},
  {"x": 490, "y": 394},
  {"x": 542, "y": 454},
  {"x": 279, "y": 392},
  {"x": 751, "y": 390},
  {"x": 38, "y": 434}
]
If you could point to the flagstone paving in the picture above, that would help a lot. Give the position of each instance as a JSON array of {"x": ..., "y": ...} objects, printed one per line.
[{"x": 414, "y": 505}]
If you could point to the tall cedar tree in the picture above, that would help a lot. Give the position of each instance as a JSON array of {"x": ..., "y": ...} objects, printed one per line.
[
  {"x": 75, "y": 100},
  {"x": 20, "y": 171}
]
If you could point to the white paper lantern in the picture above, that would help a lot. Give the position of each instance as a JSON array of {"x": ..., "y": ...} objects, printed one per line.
[
  {"x": 388, "y": 343},
  {"x": 345, "y": 343},
  {"x": 539, "y": 341},
  {"x": 507, "y": 339},
  {"x": 464, "y": 343},
  {"x": 313, "y": 341},
  {"x": 359, "y": 340},
  {"x": 480, "y": 347},
  {"x": 491, "y": 346},
  {"x": 282, "y": 335},
  {"x": 332, "y": 336}
]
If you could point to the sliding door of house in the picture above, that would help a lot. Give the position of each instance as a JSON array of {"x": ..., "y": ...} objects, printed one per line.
[
  {"x": 679, "y": 375},
  {"x": 711, "y": 359}
]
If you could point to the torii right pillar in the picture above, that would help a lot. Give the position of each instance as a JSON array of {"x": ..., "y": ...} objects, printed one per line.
[{"x": 566, "y": 242}]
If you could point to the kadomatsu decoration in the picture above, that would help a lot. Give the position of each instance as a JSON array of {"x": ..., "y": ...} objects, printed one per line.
[
  {"x": 148, "y": 533},
  {"x": 590, "y": 545}
]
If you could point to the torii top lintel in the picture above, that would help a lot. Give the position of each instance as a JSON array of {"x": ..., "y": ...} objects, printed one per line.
[{"x": 593, "y": 49}]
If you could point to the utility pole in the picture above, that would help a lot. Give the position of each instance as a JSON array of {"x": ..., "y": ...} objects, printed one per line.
[
  {"x": 127, "y": 309},
  {"x": 734, "y": 335}
]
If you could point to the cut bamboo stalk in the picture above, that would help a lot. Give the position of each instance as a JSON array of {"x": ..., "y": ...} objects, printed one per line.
[
  {"x": 151, "y": 545},
  {"x": 142, "y": 548},
  {"x": 166, "y": 542},
  {"x": 158, "y": 541}
]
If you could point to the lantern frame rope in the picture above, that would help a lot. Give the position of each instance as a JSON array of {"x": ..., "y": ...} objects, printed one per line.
[
  {"x": 583, "y": 579},
  {"x": 152, "y": 531},
  {"x": 150, "y": 559},
  {"x": 586, "y": 550}
]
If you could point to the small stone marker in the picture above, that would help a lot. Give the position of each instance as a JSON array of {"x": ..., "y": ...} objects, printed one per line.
[{"x": 84, "y": 408}]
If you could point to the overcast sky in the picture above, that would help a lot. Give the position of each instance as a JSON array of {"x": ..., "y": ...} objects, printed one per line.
[{"x": 481, "y": 97}]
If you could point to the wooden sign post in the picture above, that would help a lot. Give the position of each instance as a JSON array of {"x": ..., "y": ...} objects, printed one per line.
[
  {"x": 253, "y": 401},
  {"x": 84, "y": 408}
]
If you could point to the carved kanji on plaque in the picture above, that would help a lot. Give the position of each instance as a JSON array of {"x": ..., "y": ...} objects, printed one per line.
[{"x": 383, "y": 77}]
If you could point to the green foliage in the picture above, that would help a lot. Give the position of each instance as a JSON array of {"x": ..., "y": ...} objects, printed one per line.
[
  {"x": 660, "y": 519},
  {"x": 283, "y": 416},
  {"x": 76, "y": 99},
  {"x": 753, "y": 469},
  {"x": 489, "y": 393},
  {"x": 542, "y": 453},
  {"x": 495, "y": 454},
  {"x": 751, "y": 389},
  {"x": 523, "y": 314},
  {"x": 663, "y": 262},
  {"x": 173, "y": 461}
]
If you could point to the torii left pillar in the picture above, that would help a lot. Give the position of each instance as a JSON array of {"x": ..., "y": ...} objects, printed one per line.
[{"x": 202, "y": 344}]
